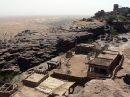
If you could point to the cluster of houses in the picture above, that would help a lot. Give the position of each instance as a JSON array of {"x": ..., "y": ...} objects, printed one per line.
[{"x": 105, "y": 64}]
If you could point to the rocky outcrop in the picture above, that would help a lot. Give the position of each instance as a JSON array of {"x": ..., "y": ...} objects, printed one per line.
[
  {"x": 118, "y": 19},
  {"x": 101, "y": 88},
  {"x": 28, "y": 48}
]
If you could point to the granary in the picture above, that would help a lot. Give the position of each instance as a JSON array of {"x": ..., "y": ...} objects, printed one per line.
[
  {"x": 34, "y": 79},
  {"x": 104, "y": 64},
  {"x": 84, "y": 48},
  {"x": 41, "y": 69},
  {"x": 7, "y": 89},
  {"x": 53, "y": 63}
]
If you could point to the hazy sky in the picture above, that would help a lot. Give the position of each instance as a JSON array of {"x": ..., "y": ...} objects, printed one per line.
[{"x": 56, "y": 7}]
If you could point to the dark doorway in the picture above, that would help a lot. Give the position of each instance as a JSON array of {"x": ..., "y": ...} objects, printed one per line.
[{"x": 23, "y": 63}]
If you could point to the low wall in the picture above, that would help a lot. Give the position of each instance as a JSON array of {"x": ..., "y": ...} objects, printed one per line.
[
  {"x": 70, "y": 78},
  {"x": 96, "y": 75},
  {"x": 7, "y": 91},
  {"x": 34, "y": 84},
  {"x": 117, "y": 67}
]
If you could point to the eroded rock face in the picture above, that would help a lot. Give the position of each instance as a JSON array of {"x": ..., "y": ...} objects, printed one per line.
[{"x": 28, "y": 48}]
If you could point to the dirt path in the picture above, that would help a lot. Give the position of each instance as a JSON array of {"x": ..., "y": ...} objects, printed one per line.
[{"x": 29, "y": 92}]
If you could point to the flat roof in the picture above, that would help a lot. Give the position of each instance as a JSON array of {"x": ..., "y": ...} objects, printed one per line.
[
  {"x": 85, "y": 45},
  {"x": 53, "y": 61},
  {"x": 77, "y": 67},
  {"x": 101, "y": 62},
  {"x": 111, "y": 52},
  {"x": 35, "y": 77},
  {"x": 54, "y": 86},
  {"x": 107, "y": 56},
  {"x": 56, "y": 58},
  {"x": 63, "y": 88}
]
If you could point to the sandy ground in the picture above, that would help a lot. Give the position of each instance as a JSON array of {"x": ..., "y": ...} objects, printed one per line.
[
  {"x": 28, "y": 92},
  {"x": 75, "y": 66},
  {"x": 78, "y": 66},
  {"x": 10, "y": 26},
  {"x": 88, "y": 23}
]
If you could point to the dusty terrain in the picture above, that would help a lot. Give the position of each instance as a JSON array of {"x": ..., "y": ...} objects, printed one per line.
[
  {"x": 30, "y": 48},
  {"x": 102, "y": 88},
  {"x": 93, "y": 88},
  {"x": 108, "y": 87},
  {"x": 35, "y": 46},
  {"x": 76, "y": 66},
  {"x": 28, "y": 92},
  {"x": 10, "y": 26}
]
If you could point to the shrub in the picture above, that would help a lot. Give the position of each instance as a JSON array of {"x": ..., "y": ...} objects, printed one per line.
[
  {"x": 68, "y": 72},
  {"x": 7, "y": 76},
  {"x": 114, "y": 31},
  {"x": 116, "y": 17},
  {"x": 84, "y": 19},
  {"x": 121, "y": 18},
  {"x": 110, "y": 18},
  {"x": 68, "y": 65},
  {"x": 90, "y": 20}
]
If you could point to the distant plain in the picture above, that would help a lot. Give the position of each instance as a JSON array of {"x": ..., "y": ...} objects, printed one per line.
[{"x": 10, "y": 26}]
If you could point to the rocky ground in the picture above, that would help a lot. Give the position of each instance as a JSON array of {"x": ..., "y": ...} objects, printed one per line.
[
  {"x": 102, "y": 88},
  {"x": 30, "y": 48},
  {"x": 110, "y": 88}
]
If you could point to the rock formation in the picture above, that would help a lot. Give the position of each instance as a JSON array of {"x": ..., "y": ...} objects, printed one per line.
[{"x": 28, "y": 48}]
